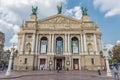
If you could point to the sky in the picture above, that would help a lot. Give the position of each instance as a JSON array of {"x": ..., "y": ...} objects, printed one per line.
[{"x": 105, "y": 13}]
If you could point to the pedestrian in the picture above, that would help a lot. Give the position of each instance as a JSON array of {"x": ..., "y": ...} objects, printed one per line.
[
  {"x": 58, "y": 67},
  {"x": 99, "y": 71},
  {"x": 115, "y": 73}
]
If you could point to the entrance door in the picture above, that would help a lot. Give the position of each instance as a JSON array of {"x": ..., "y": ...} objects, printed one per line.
[
  {"x": 75, "y": 64},
  {"x": 59, "y": 64},
  {"x": 42, "y": 64}
]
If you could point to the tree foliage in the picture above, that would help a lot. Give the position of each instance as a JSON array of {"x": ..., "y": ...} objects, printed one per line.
[{"x": 116, "y": 53}]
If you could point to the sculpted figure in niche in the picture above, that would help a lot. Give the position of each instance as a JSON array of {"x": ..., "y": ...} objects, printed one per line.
[
  {"x": 90, "y": 48},
  {"x": 28, "y": 47}
]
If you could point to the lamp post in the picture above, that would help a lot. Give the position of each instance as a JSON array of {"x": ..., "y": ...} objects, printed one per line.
[
  {"x": 10, "y": 61},
  {"x": 107, "y": 62}
]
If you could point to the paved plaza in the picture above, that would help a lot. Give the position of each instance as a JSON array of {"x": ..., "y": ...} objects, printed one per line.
[{"x": 53, "y": 75}]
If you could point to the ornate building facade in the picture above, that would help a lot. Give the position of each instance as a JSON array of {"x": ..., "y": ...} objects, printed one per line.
[
  {"x": 2, "y": 40},
  {"x": 59, "y": 40}
]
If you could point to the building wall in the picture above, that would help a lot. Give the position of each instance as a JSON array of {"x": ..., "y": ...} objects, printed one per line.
[
  {"x": 67, "y": 29},
  {"x": 2, "y": 39}
]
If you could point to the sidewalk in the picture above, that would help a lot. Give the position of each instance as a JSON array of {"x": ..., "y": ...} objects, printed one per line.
[{"x": 18, "y": 74}]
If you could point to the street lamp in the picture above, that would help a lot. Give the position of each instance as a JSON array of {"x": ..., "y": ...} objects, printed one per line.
[
  {"x": 107, "y": 62},
  {"x": 10, "y": 61}
]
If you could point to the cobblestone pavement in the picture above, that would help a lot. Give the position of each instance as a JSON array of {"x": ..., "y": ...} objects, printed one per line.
[{"x": 53, "y": 75}]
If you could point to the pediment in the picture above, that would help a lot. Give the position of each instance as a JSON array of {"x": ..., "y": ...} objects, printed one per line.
[{"x": 59, "y": 19}]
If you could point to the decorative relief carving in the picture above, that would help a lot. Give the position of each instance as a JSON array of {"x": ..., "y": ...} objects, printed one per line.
[
  {"x": 59, "y": 20},
  {"x": 88, "y": 24},
  {"x": 90, "y": 47},
  {"x": 31, "y": 24}
]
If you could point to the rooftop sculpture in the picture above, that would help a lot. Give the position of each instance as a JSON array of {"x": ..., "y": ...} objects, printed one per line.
[
  {"x": 84, "y": 11},
  {"x": 59, "y": 7},
  {"x": 34, "y": 10}
]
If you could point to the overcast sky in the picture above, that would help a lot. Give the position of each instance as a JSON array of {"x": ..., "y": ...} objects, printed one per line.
[{"x": 105, "y": 13}]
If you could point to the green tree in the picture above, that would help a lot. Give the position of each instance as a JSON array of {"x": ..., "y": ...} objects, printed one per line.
[{"x": 116, "y": 53}]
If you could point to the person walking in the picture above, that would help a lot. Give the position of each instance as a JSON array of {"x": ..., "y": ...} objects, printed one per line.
[
  {"x": 115, "y": 73},
  {"x": 99, "y": 71},
  {"x": 58, "y": 67}
]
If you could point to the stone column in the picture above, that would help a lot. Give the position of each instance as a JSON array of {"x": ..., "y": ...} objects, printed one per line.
[
  {"x": 81, "y": 43},
  {"x": 95, "y": 45},
  {"x": 79, "y": 47},
  {"x": 23, "y": 44},
  {"x": 49, "y": 43},
  {"x": 65, "y": 43},
  {"x": 79, "y": 64},
  {"x": 38, "y": 63},
  {"x": 36, "y": 44},
  {"x": 52, "y": 43},
  {"x": 68, "y": 43},
  {"x": 85, "y": 48},
  {"x": 33, "y": 43}
]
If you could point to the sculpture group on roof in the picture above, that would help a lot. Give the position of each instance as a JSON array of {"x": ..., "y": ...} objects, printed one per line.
[
  {"x": 59, "y": 8},
  {"x": 34, "y": 10},
  {"x": 84, "y": 11}
]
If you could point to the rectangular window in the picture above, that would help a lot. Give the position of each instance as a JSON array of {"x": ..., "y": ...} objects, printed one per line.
[
  {"x": 92, "y": 60},
  {"x": 25, "y": 61}
]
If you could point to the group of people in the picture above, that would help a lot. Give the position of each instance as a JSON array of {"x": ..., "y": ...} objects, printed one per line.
[
  {"x": 115, "y": 71},
  {"x": 42, "y": 66},
  {"x": 3, "y": 66}
]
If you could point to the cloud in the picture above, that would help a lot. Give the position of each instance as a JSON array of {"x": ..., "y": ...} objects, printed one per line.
[
  {"x": 14, "y": 39},
  {"x": 10, "y": 30},
  {"x": 13, "y": 12},
  {"x": 110, "y": 7},
  {"x": 7, "y": 25},
  {"x": 8, "y": 15},
  {"x": 74, "y": 12},
  {"x": 118, "y": 42},
  {"x": 109, "y": 46}
]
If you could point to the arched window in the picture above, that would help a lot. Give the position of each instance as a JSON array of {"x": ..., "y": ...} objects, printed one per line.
[
  {"x": 59, "y": 45},
  {"x": 43, "y": 46},
  {"x": 75, "y": 45}
]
